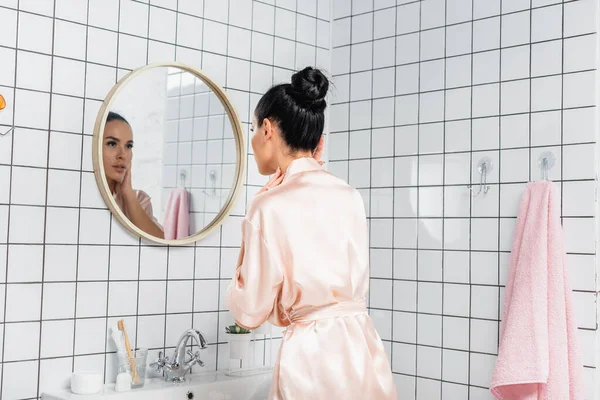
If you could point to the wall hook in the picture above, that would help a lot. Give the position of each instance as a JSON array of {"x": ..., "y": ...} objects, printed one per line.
[
  {"x": 2, "y": 107},
  {"x": 546, "y": 161},
  {"x": 484, "y": 166},
  {"x": 7, "y": 132}
]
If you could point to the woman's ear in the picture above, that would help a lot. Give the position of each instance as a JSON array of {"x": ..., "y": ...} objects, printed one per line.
[{"x": 268, "y": 129}]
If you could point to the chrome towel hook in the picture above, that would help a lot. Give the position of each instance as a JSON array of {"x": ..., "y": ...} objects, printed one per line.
[
  {"x": 7, "y": 132},
  {"x": 484, "y": 166},
  {"x": 546, "y": 161},
  {"x": 2, "y": 107}
]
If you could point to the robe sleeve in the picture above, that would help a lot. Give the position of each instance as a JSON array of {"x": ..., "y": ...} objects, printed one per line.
[
  {"x": 252, "y": 294},
  {"x": 146, "y": 204}
]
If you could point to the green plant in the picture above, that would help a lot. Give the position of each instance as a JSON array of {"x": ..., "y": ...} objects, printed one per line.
[{"x": 236, "y": 330}]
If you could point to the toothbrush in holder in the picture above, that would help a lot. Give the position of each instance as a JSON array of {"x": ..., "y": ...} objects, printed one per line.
[{"x": 134, "y": 375}]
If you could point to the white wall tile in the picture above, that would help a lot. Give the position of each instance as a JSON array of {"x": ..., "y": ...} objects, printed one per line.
[
  {"x": 579, "y": 89},
  {"x": 73, "y": 10},
  {"x": 486, "y": 34},
  {"x": 59, "y": 301},
  {"x": 179, "y": 296},
  {"x": 70, "y": 40},
  {"x": 432, "y": 74},
  {"x": 407, "y": 19},
  {"x": 23, "y": 302},
  {"x": 580, "y": 18},
  {"x": 122, "y": 298},
  {"x": 57, "y": 338},
  {"x": 546, "y": 23},
  {"x": 21, "y": 341},
  {"x": 341, "y": 8},
  {"x": 8, "y": 31},
  {"x": 54, "y": 373},
  {"x": 520, "y": 28},
  {"x": 94, "y": 226},
  {"x": 546, "y": 58},
  {"x": 60, "y": 263},
  {"x": 33, "y": 71},
  {"x": 26, "y": 224},
  {"x": 25, "y": 263},
  {"x": 35, "y": 113},
  {"x": 28, "y": 186},
  {"x": 91, "y": 299},
  {"x": 580, "y": 53},
  {"x": 515, "y": 97},
  {"x": 263, "y": 18},
  {"x": 482, "y": 366},
  {"x": 455, "y": 366},
  {"x": 429, "y": 363},
  {"x": 35, "y": 33},
  {"x": 21, "y": 380}
]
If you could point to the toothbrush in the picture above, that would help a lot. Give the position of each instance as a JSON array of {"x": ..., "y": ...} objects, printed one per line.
[{"x": 121, "y": 325}]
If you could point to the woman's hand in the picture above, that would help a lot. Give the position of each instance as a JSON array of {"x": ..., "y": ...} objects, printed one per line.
[
  {"x": 124, "y": 187},
  {"x": 319, "y": 151},
  {"x": 275, "y": 181}
]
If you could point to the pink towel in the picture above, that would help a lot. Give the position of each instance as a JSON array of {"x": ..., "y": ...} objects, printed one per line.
[
  {"x": 177, "y": 217},
  {"x": 539, "y": 356}
]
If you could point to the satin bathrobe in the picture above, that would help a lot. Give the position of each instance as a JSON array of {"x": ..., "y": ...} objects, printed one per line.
[{"x": 306, "y": 267}]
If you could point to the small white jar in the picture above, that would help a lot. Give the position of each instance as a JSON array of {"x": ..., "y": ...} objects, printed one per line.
[{"x": 86, "y": 382}]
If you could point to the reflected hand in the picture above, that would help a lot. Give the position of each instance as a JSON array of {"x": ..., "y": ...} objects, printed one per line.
[
  {"x": 275, "y": 181},
  {"x": 124, "y": 187},
  {"x": 319, "y": 151}
]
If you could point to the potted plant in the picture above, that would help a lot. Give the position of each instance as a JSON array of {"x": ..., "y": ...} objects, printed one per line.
[{"x": 239, "y": 341}]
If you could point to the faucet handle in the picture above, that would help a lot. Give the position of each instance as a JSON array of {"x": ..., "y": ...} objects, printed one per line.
[
  {"x": 160, "y": 363},
  {"x": 195, "y": 358}
]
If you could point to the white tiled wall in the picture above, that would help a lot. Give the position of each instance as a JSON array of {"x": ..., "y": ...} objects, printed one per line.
[
  {"x": 69, "y": 269},
  {"x": 424, "y": 90}
]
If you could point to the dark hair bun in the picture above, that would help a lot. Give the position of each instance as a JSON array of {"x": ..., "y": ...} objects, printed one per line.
[{"x": 310, "y": 88}]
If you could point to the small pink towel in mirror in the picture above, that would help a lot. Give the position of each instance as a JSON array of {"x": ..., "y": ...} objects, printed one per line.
[{"x": 176, "y": 221}]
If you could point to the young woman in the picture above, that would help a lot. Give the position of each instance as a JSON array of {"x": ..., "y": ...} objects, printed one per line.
[
  {"x": 304, "y": 257},
  {"x": 117, "y": 152}
]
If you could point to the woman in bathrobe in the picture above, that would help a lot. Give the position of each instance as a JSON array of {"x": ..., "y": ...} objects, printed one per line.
[{"x": 304, "y": 258}]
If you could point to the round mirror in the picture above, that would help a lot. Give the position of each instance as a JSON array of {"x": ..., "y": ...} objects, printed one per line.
[{"x": 168, "y": 153}]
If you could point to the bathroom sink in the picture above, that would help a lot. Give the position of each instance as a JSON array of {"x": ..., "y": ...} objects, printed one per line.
[{"x": 202, "y": 386}]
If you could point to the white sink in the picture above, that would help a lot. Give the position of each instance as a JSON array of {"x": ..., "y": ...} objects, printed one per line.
[{"x": 203, "y": 386}]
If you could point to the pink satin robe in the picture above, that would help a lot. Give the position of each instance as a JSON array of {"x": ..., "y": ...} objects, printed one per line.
[{"x": 306, "y": 267}]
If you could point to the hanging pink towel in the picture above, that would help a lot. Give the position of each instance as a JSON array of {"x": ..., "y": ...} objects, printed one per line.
[
  {"x": 539, "y": 356},
  {"x": 176, "y": 223}
]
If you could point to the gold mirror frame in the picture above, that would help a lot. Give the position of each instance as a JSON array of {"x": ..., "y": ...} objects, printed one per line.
[{"x": 99, "y": 165}]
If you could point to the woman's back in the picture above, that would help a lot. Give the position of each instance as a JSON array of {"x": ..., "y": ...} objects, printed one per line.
[
  {"x": 318, "y": 224},
  {"x": 308, "y": 270}
]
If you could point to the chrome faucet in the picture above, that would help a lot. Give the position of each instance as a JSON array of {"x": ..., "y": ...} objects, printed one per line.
[{"x": 176, "y": 369}]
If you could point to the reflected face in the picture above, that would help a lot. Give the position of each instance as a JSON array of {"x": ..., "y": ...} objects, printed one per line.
[
  {"x": 117, "y": 150},
  {"x": 264, "y": 141}
]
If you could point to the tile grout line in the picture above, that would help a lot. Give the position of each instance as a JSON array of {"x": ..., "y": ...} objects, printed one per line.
[
  {"x": 443, "y": 257},
  {"x": 45, "y": 229},
  {"x": 81, "y": 160},
  {"x": 418, "y": 158},
  {"x": 470, "y": 243},
  {"x": 219, "y": 305},
  {"x": 392, "y": 250},
  {"x": 8, "y": 212}
]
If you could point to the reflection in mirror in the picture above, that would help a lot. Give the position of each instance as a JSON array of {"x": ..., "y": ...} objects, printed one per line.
[{"x": 169, "y": 153}]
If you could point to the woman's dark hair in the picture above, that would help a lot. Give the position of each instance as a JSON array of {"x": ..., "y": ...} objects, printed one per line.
[
  {"x": 113, "y": 116},
  {"x": 298, "y": 108}
]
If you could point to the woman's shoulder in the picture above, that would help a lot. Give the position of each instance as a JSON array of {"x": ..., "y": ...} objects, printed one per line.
[{"x": 142, "y": 196}]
